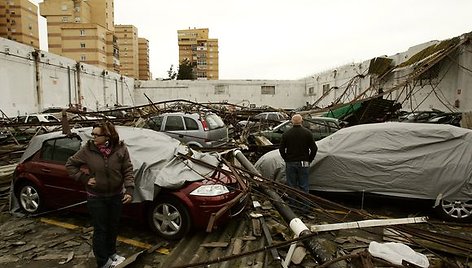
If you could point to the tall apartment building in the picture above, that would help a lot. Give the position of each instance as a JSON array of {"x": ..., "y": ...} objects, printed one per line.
[
  {"x": 198, "y": 49},
  {"x": 19, "y": 21},
  {"x": 82, "y": 30},
  {"x": 143, "y": 58},
  {"x": 127, "y": 36}
]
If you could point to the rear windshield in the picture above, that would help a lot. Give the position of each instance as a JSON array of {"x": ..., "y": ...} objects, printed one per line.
[{"x": 214, "y": 121}]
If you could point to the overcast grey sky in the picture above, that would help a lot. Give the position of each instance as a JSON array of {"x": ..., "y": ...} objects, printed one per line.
[{"x": 290, "y": 39}]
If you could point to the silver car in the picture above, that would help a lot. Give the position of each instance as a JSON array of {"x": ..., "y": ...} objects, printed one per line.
[{"x": 205, "y": 130}]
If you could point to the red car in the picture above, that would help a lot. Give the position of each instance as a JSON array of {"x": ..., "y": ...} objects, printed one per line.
[{"x": 171, "y": 197}]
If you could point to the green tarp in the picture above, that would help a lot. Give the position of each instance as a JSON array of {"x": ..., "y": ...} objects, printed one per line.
[{"x": 343, "y": 111}]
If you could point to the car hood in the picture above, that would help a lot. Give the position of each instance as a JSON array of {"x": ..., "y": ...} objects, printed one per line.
[
  {"x": 424, "y": 161},
  {"x": 156, "y": 159}
]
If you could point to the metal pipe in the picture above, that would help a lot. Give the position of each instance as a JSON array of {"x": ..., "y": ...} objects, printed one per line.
[
  {"x": 70, "y": 87},
  {"x": 78, "y": 67},
  {"x": 296, "y": 224}
]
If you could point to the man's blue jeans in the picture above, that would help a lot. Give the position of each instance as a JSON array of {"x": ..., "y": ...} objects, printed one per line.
[
  {"x": 106, "y": 213},
  {"x": 296, "y": 175}
]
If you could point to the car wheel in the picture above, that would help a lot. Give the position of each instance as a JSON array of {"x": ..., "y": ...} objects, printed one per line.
[
  {"x": 29, "y": 198},
  {"x": 169, "y": 218},
  {"x": 456, "y": 210}
]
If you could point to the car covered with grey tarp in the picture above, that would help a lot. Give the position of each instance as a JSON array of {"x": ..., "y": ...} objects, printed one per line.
[{"x": 410, "y": 160}]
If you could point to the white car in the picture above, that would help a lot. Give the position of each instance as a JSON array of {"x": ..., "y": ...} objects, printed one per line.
[
  {"x": 35, "y": 120},
  {"x": 409, "y": 160}
]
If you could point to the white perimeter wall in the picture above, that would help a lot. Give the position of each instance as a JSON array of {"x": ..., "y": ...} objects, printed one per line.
[
  {"x": 287, "y": 94},
  {"x": 58, "y": 85},
  {"x": 24, "y": 90}
]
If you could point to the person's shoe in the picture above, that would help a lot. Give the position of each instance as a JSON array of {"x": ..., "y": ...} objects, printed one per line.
[
  {"x": 108, "y": 264},
  {"x": 117, "y": 259}
]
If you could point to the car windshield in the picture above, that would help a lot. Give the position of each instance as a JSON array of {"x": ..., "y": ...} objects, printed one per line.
[
  {"x": 214, "y": 121},
  {"x": 51, "y": 118}
]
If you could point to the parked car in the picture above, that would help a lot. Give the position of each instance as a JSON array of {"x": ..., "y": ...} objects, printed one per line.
[
  {"x": 169, "y": 195},
  {"x": 265, "y": 118},
  {"x": 320, "y": 127},
  {"x": 419, "y": 116},
  {"x": 447, "y": 118},
  {"x": 36, "y": 120},
  {"x": 205, "y": 130},
  {"x": 409, "y": 160}
]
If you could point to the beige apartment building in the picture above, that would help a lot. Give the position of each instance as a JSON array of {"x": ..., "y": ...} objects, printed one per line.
[
  {"x": 19, "y": 22},
  {"x": 198, "y": 49},
  {"x": 127, "y": 36},
  {"x": 143, "y": 59},
  {"x": 82, "y": 30}
]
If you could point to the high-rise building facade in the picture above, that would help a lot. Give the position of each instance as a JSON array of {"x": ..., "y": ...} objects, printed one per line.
[
  {"x": 200, "y": 51},
  {"x": 19, "y": 21},
  {"x": 82, "y": 30},
  {"x": 127, "y": 36},
  {"x": 143, "y": 62}
]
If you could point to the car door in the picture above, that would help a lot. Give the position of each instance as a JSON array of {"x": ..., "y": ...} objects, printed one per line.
[
  {"x": 60, "y": 189},
  {"x": 174, "y": 127},
  {"x": 317, "y": 127},
  {"x": 193, "y": 134},
  {"x": 275, "y": 135}
]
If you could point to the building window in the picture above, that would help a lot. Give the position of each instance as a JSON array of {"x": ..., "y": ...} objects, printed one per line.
[
  {"x": 82, "y": 32},
  {"x": 82, "y": 45},
  {"x": 30, "y": 27},
  {"x": 220, "y": 89},
  {"x": 65, "y": 19},
  {"x": 64, "y": 7},
  {"x": 325, "y": 89},
  {"x": 77, "y": 19},
  {"x": 83, "y": 58},
  {"x": 311, "y": 91},
  {"x": 268, "y": 90}
]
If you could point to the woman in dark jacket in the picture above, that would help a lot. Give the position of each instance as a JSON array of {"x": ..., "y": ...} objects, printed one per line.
[{"x": 103, "y": 165}]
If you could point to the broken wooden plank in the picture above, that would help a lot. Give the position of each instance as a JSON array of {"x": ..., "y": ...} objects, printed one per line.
[{"x": 215, "y": 245}]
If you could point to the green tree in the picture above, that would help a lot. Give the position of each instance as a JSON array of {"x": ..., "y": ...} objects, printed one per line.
[
  {"x": 186, "y": 70},
  {"x": 171, "y": 72}
]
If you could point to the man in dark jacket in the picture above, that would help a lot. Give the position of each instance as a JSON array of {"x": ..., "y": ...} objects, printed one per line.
[{"x": 298, "y": 149}]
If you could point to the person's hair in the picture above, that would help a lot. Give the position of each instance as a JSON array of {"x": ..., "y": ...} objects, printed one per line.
[
  {"x": 297, "y": 119},
  {"x": 109, "y": 130}
]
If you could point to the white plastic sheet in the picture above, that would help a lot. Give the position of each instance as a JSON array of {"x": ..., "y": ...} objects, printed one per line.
[{"x": 396, "y": 253}]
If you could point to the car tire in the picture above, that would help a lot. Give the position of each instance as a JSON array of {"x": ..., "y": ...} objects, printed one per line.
[
  {"x": 458, "y": 211},
  {"x": 169, "y": 218},
  {"x": 29, "y": 198}
]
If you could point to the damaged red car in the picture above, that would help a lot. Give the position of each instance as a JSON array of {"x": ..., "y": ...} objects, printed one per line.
[{"x": 176, "y": 188}]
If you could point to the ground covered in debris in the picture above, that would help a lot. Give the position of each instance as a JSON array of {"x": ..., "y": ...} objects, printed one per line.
[
  {"x": 64, "y": 240},
  {"x": 259, "y": 237}
]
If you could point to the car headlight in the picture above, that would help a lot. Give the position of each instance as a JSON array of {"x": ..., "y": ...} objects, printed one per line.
[{"x": 210, "y": 190}]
